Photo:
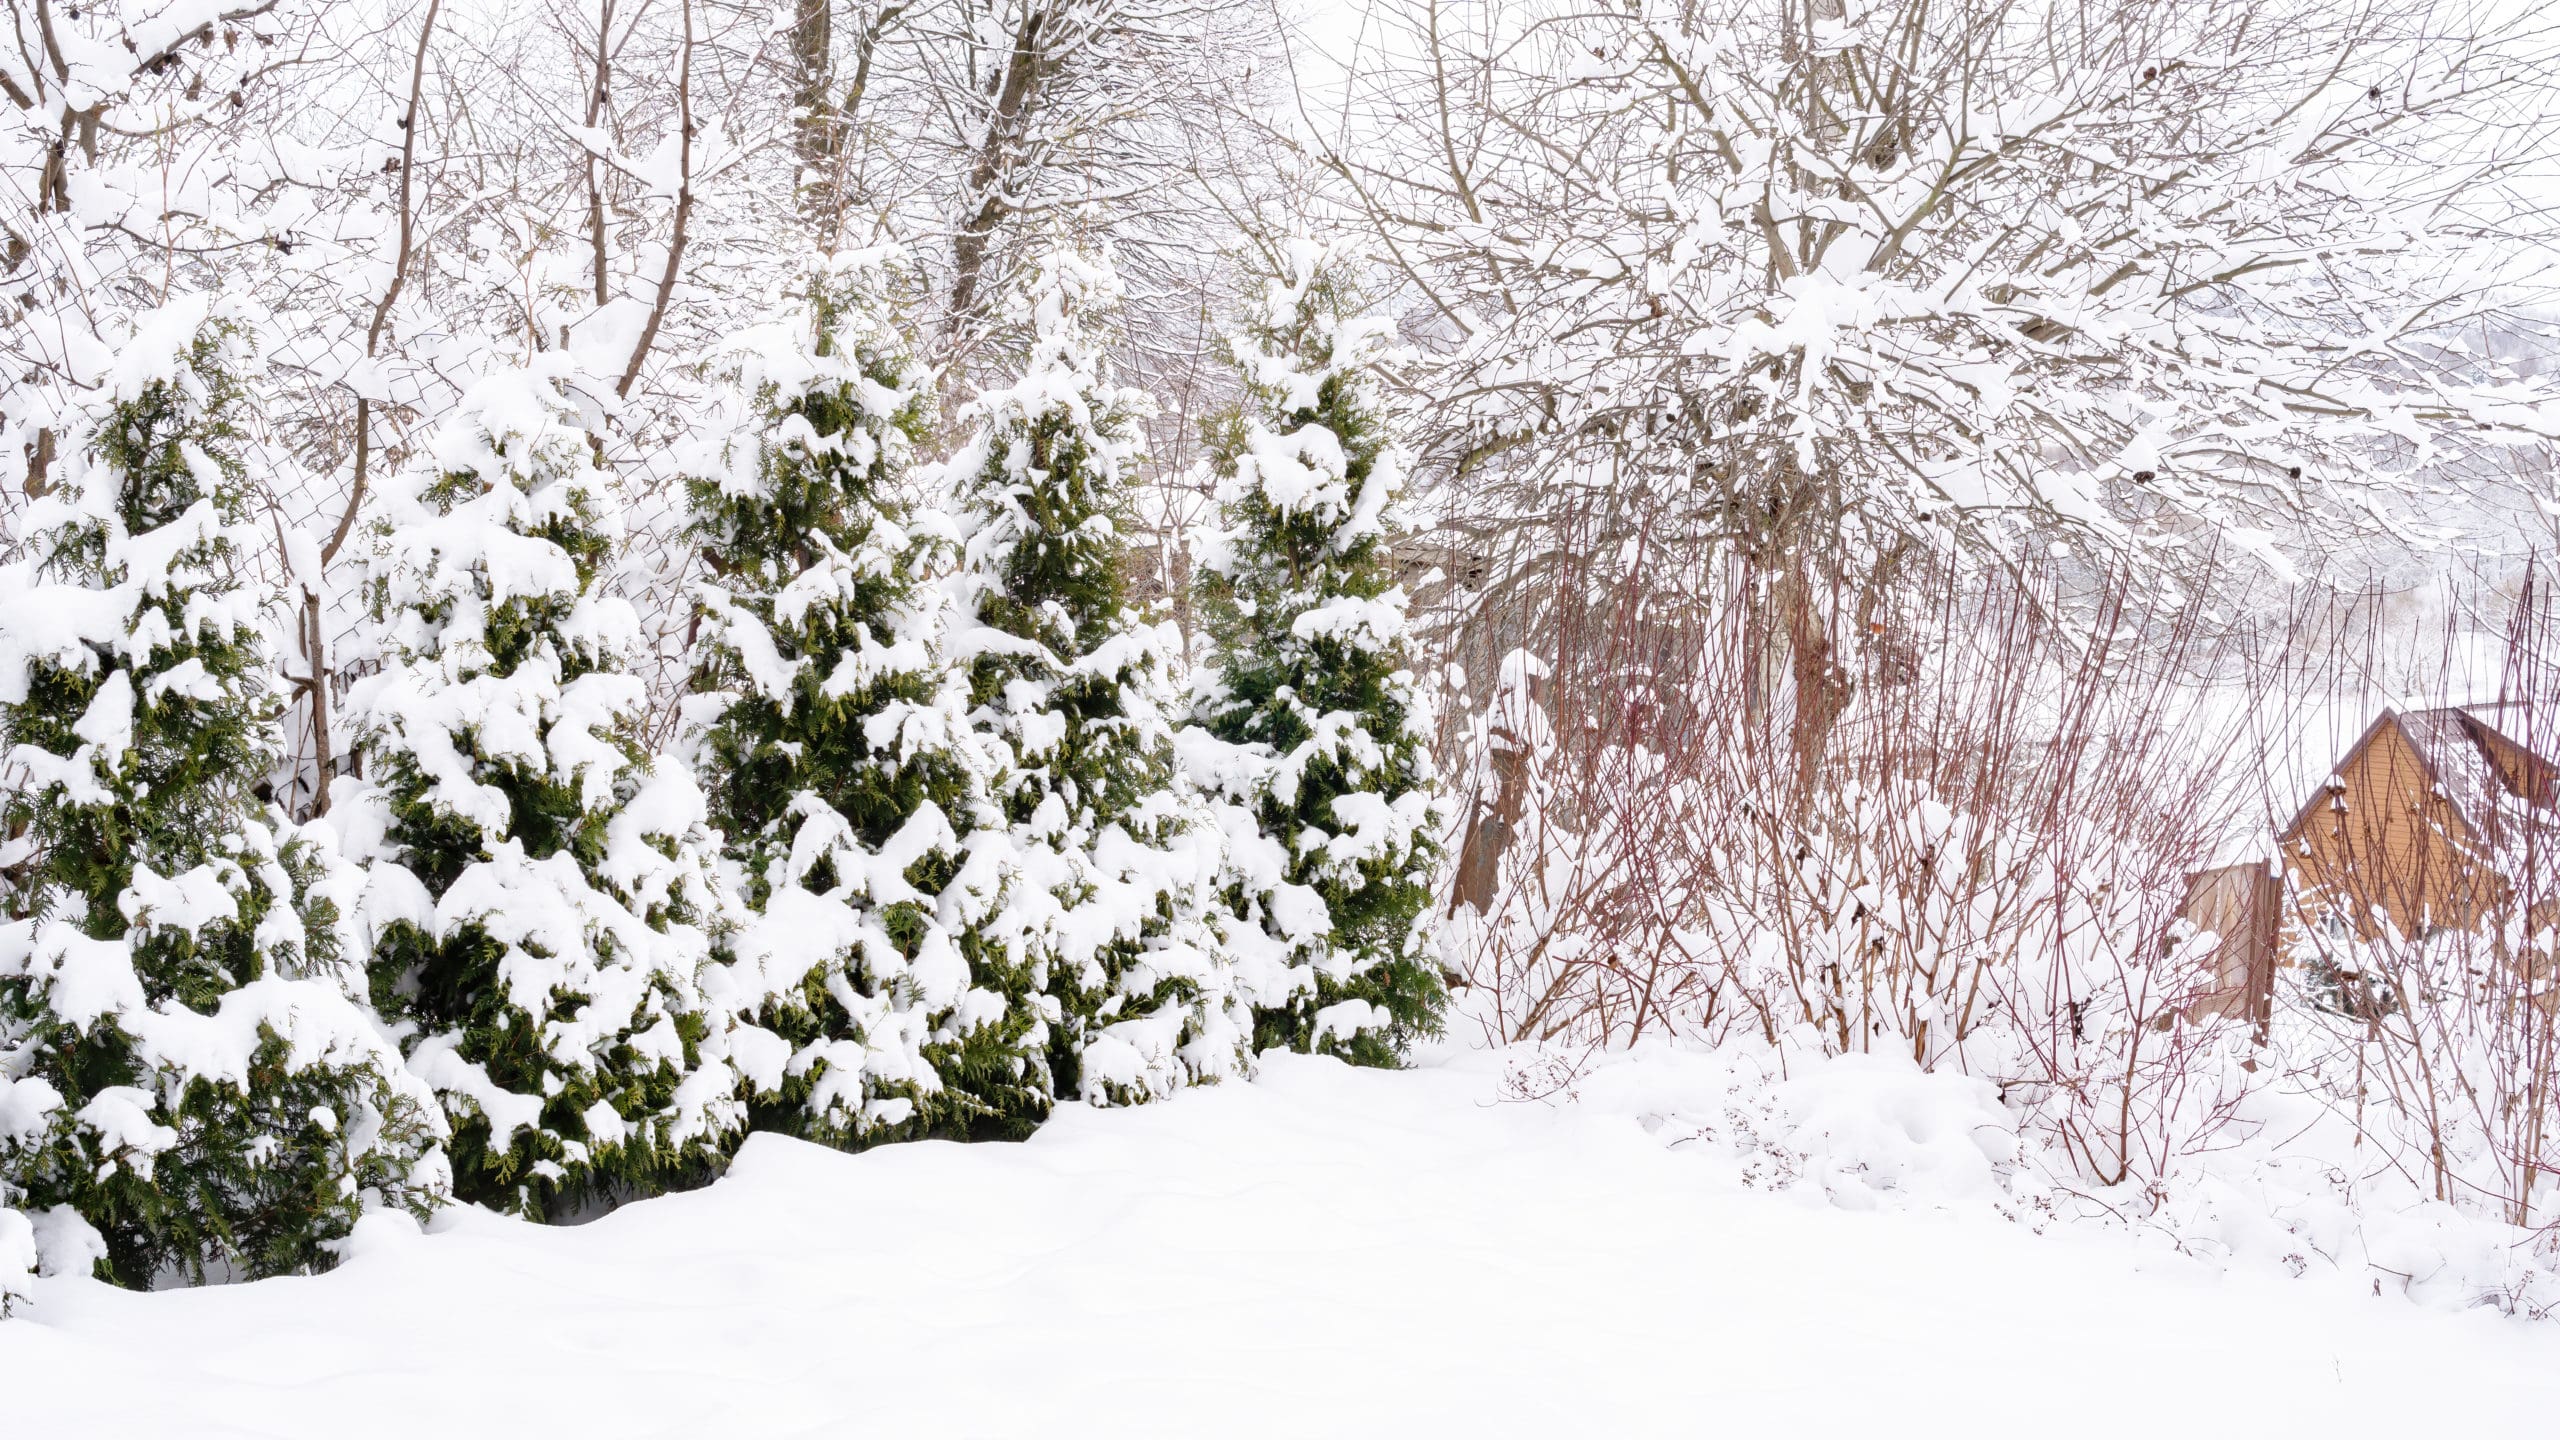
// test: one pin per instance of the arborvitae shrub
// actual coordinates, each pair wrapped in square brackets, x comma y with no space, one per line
[543,907]
[838,755]
[1078,688]
[1315,673]
[187,1084]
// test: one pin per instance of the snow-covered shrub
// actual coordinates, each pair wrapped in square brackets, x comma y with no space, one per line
[1980,877]
[2438,1107]
[839,757]
[1119,859]
[541,904]
[1315,673]
[2286,1187]
[187,1083]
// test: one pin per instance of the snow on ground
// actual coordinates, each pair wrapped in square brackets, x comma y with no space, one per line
[1321,1252]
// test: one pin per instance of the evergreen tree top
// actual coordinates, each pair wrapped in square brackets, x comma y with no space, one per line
[1313,443]
[159,437]
[131,599]
[839,371]
[1309,322]
[483,585]
[1066,306]
[1044,476]
[513,451]
[848,332]
[805,466]
[508,506]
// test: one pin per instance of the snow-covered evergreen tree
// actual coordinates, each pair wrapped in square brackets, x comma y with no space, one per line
[187,1082]
[1315,675]
[1119,861]
[543,905]
[840,760]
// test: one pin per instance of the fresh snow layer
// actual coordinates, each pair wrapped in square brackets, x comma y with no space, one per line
[1320,1252]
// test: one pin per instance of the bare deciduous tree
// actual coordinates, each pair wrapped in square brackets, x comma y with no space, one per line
[1837,289]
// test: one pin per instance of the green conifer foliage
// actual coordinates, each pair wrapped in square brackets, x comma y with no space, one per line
[1315,673]
[545,910]
[1078,687]
[840,762]
[187,1084]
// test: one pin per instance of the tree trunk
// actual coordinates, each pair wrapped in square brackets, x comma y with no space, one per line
[988,200]
[816,136]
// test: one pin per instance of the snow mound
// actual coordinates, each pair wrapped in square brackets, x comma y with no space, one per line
[1323,1251]
[1875,1132]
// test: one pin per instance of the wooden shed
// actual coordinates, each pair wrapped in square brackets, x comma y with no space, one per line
[2422,822]
[2240,907]
[2428,822]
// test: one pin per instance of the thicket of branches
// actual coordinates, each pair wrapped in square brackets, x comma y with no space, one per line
[1830,295]
[1907,477]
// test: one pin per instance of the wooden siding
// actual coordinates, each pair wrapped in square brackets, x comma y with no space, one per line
[2383,834]
[2242,905]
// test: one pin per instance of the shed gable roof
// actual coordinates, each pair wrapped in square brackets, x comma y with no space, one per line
[2452,745]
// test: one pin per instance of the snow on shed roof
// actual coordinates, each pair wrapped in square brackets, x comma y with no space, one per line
[2457,760]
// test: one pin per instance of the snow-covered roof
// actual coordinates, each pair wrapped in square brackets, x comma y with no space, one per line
[2532,726]
[2458,760]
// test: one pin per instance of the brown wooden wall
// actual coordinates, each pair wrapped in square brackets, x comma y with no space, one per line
[2242,905]
[2382,837]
